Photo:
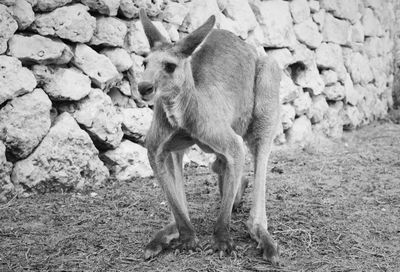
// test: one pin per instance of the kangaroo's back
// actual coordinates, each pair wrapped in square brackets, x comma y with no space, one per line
[226,59]
[224,68]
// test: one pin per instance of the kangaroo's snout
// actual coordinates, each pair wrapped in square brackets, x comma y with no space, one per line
[145,89]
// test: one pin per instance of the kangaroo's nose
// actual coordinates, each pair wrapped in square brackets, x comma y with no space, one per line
[145,88]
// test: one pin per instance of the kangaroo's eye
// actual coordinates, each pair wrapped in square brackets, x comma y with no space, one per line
[169,67]
[144,64]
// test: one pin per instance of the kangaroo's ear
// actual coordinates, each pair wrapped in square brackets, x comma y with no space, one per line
[187,45]
[153,35]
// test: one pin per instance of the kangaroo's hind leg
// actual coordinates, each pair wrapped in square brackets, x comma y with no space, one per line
[259,138]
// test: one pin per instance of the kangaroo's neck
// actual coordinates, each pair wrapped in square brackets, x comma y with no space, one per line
[181,103]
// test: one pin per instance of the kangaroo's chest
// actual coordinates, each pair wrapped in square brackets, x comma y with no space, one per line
[173,111]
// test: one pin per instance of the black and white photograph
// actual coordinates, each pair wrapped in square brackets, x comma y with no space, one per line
[199,135]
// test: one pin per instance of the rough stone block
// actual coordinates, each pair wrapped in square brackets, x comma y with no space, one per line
[15,80]
[65,159]
[72,23]
[38,49]
[97,66]
[24,121]
[109,32]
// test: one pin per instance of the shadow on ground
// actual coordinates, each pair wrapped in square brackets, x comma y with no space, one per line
[332,207]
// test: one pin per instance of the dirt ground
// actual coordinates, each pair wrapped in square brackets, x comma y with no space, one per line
[332,206]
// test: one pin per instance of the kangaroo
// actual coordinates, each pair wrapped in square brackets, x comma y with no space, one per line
[210,89]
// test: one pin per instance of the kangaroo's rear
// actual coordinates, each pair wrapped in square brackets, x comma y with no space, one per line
[218,96]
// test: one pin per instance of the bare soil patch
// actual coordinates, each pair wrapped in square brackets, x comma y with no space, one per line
[332,206]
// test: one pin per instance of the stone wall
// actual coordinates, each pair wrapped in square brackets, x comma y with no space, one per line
[70,114]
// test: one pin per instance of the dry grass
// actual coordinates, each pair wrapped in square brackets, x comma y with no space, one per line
[332,207]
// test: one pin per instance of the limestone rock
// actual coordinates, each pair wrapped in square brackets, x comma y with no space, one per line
[175,13]
[120,100]
[97,66]
[227,23]
[136,39]
[130,8]
[288,91]
[282,56]
[7,3]
[49,5]
[172,32]
[357,32]
[307,33]
[136,123]
[242,15]
[381,69]
[65,159]
[374,47]
[24,121]
[119,57]
[23,14]
[288,113]
[300,132]
[372,26]
[302,54]
[97,115]
[319,108]
[196,156]
[107,7]
[109,32]
[300,10]
[124,87]
[319,18]
[277,24]
[353,96]
[72,23]
[199,12]
[332,124]
[38,49]
[314,6]
[352,117]
[310,79]
[280,137]
[128,161]
[330,77]
[342,9]
[8,26]
[335,30]
[256,38]
[359,68]
[62,84]
[5,172]
[329,56]
[334,92]
[374,4]
[15,80]
[302,104]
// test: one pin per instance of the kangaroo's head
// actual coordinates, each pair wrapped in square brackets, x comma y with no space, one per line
[166,64]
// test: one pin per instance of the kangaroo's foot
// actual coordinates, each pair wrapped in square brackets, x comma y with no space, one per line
[169,237]
[258,231]
[161,241]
